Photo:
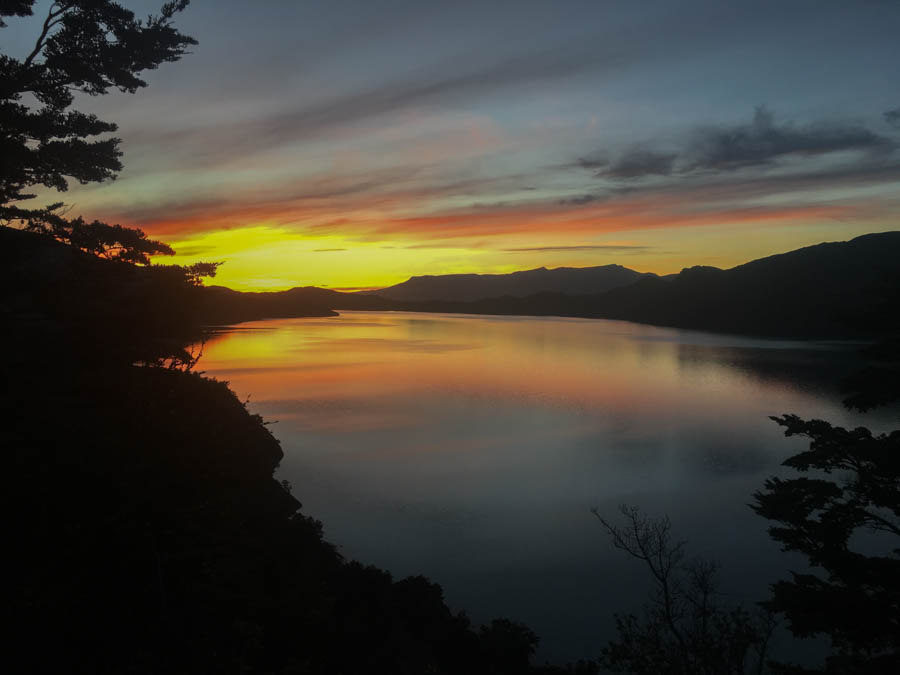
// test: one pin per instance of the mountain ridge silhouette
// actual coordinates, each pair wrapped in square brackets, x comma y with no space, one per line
[468,287]
[847,289]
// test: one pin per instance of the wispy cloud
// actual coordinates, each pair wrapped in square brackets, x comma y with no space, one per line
[428,88]
[643,211]
[443,207]
[760,142]
[580,199]
[450,85]
[639,162]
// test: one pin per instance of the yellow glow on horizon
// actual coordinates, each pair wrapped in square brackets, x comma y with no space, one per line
[265,258]
[271,258]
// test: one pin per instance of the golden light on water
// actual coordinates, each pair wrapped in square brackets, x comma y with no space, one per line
[355,360]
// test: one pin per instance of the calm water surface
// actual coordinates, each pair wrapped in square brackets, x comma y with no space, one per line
[472,449]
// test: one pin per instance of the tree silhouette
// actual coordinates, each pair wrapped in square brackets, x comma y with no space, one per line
[194,273]
[686,628]
[88,47]
[845,518]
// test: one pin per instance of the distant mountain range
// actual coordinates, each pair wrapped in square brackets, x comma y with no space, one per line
[469,287]
[842,289]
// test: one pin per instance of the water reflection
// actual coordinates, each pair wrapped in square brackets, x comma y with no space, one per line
[471,449]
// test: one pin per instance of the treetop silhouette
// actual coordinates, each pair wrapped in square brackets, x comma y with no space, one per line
[686,627]
[843,515]
[87,47]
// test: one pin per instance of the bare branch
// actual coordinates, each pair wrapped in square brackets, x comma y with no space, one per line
[53,19]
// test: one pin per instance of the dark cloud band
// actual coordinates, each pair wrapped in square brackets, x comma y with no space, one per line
[762,141]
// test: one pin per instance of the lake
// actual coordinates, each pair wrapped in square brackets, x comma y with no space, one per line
[471,449]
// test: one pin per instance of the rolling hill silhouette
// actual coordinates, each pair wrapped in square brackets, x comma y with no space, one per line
[838,289]
[219,304]
[468,287]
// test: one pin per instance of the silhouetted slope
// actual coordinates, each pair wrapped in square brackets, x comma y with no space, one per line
[53,289]
[44,280]
[469,287]
[828,290]
[219,305]
[149,534]
[151,537]
[832,289]
[841,289]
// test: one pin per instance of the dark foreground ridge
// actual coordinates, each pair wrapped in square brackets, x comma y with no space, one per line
[149,535]
[833,290]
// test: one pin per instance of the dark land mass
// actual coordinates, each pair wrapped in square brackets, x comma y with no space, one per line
[833,290]
[844,289]
[220,305]
[469,287]
[148,533]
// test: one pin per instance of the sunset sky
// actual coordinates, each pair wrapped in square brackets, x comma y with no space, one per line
[355,144]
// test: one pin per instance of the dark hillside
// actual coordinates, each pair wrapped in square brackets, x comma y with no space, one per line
[51,289]
[49,281]
[835,289]
[843,289]
[220,305]
[149,534]
[470,287]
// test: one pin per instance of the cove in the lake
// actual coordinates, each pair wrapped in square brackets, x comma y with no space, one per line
[472,449]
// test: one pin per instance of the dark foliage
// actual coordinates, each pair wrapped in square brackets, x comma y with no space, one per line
[195,273]
[845,518]
[152,310]
[150,535]
[89,47]
[126,244]
[14,8]
[76,303]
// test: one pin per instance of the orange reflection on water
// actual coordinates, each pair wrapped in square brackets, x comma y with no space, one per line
[371,369]
[472,449]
